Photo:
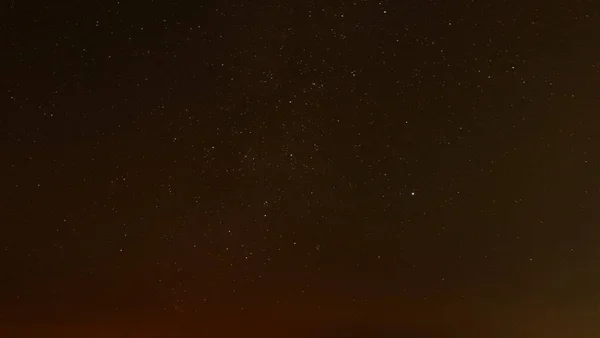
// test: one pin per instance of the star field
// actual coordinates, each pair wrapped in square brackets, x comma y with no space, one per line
[337,169]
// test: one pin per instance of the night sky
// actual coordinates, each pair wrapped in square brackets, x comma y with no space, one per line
[417,169]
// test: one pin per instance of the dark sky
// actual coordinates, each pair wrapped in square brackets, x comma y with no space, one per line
[423,169]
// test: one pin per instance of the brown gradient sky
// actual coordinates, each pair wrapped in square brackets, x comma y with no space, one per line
[422,169]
